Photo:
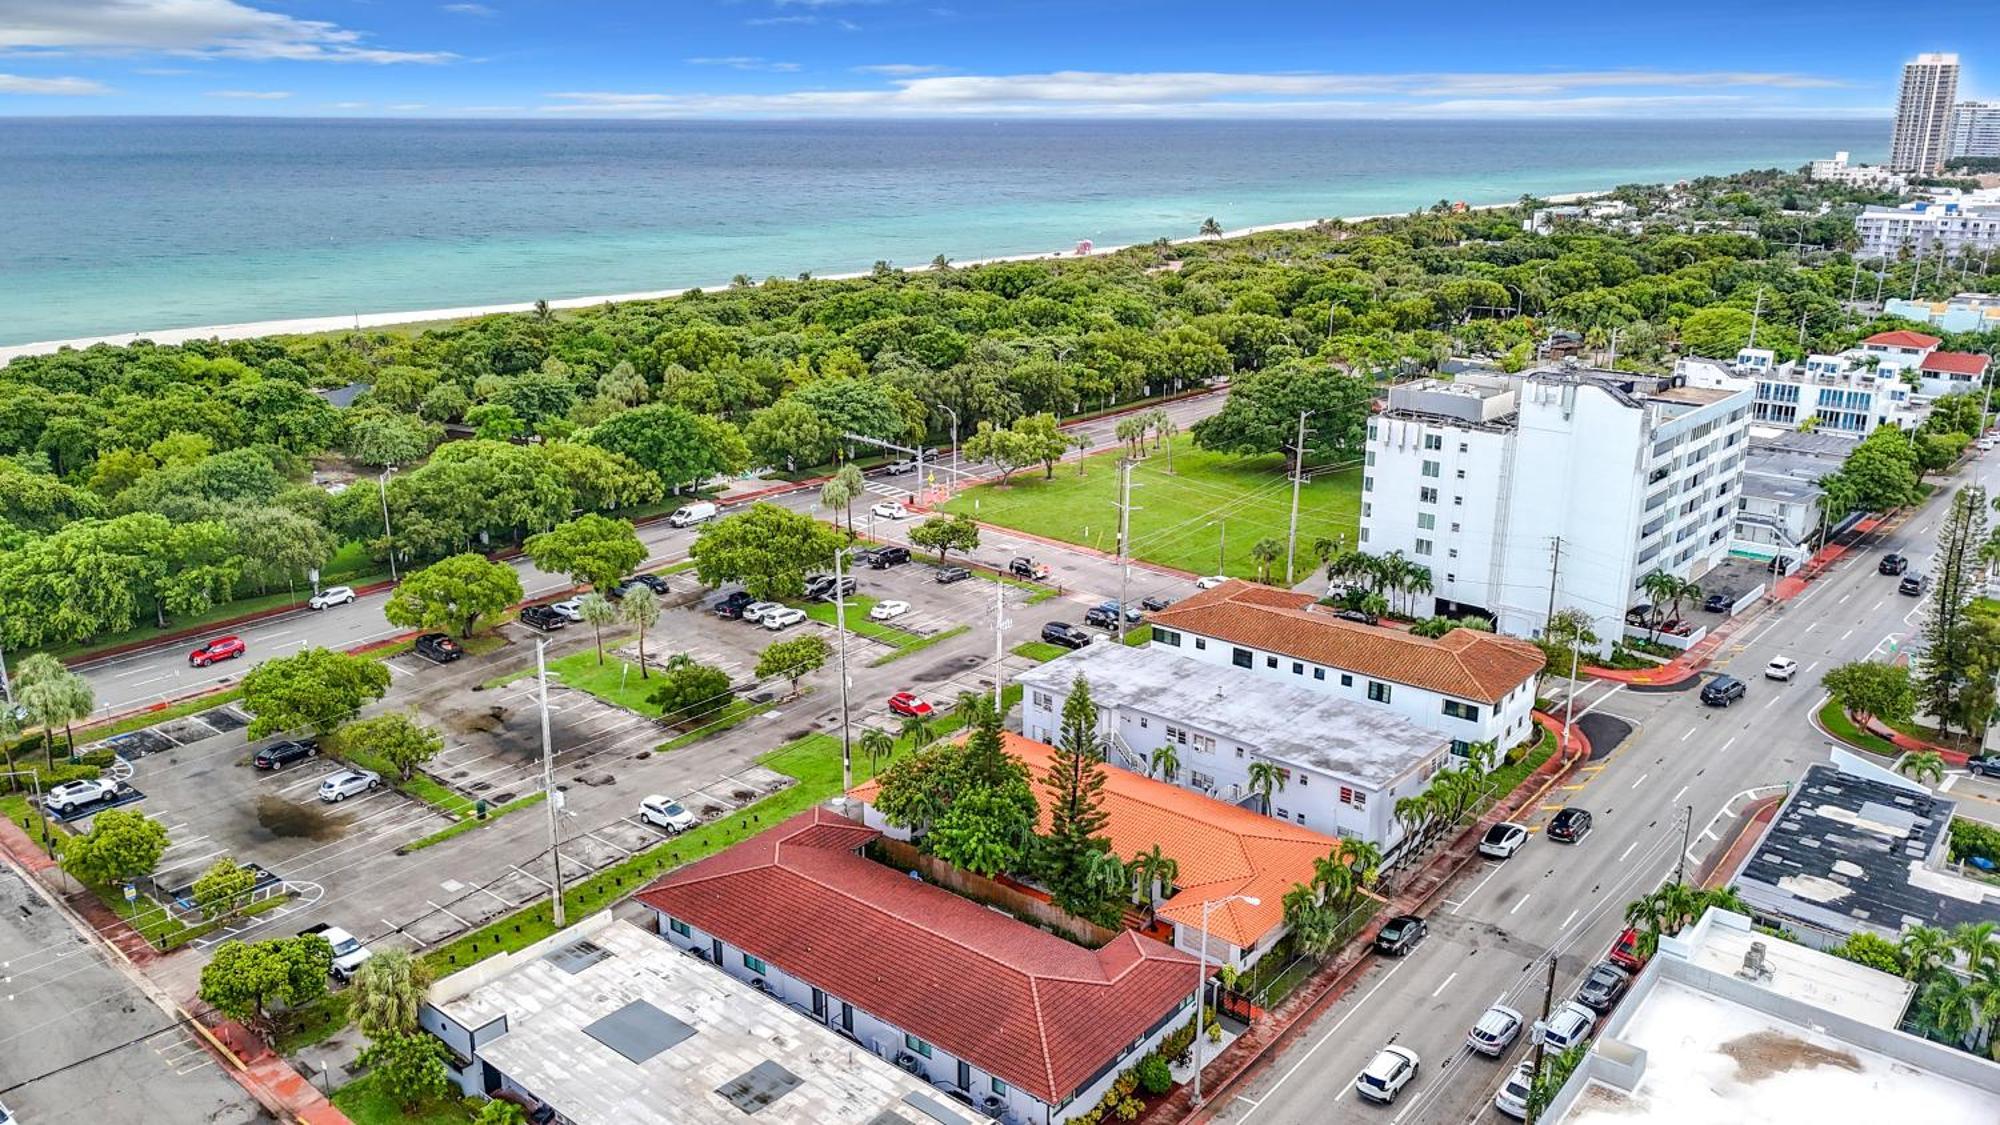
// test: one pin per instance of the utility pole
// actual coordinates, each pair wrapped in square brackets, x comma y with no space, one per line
[1548,1001]
[1756,315]
[1687,841]
[1569,701]
[554,801]
[1221,545]
[1555,564]
[1298,477]
[1124,538]
[1802,331]
[7,686]
[840,639]
[999,632]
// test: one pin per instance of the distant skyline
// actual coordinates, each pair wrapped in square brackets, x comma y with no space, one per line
[555,59]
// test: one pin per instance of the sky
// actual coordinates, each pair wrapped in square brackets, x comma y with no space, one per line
[553,59]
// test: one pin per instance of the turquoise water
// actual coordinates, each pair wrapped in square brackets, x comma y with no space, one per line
[119,225]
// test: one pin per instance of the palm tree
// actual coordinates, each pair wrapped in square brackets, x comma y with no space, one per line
[1266,551]
[387,995]
[1266,778]
[1925,767]
[1977,941]
[1417,581]
[840,490]
[641,607]
[1927,951]
[1483,756]
[1153,873]
[542,312]
[1660,588]
[1414,812]
[1166,761]
[1210,228]
[877,744]
[917,729]
[597,611]
[1168,428]
[1683,591]
[1332,877]
[1364,859]
[53,696]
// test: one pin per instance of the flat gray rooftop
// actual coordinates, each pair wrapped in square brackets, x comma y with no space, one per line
[1290,723]
[629,1029]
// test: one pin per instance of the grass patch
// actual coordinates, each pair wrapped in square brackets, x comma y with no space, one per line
[735,712]
[365,1104]
[901,640]
[920,644]
[1137,635]
[314,1024]
[617,682]
[1834,718]
[1509,777]
[1041,652]
[472,822]
[161,926]
[681,567]
[421,785]
[147,718]
[1210,501]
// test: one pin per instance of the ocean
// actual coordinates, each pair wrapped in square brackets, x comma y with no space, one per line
[114,225]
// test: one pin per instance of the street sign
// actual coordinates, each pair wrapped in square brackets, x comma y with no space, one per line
[131,894]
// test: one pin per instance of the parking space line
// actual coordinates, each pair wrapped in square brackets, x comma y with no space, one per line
[447,913]
[531,875]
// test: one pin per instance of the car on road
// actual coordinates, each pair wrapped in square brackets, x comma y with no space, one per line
[73,795]
[331,596]
[910,704]
[570,608]
[1985,765]
[1912,585]
[343,784]
[278,755]
[820,587]
[1625,951]
[1723,691]
[688,515]
[899,466]
[1571,1024]
[1156,603]
[1400,934]
[882,558]
[755,611]
[652,582]
[731,606]
[438,648]
[888,610]
[1718,603]
[667,813]
[947,575]
[1495,1031]
[1025,567]
[1210,582]
[1604,986]
[889,510]
[1892,563]
[1781,668]
[221,648]
[784,617]
[1384,1077]
[1570,825]
[348,952]
[1065,634]
[1503,839]
[1512,1099]
[543,617]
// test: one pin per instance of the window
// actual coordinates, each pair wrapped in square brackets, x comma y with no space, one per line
[1302,781]
[1467,711]
[1142,722]
[1433,469]
[1378,692]
[1239,751]
[1167,637]
[1353,798]
[1433,441]
[1451,552]
[1319,673]
[1427,495]
[999,1087]
[1427,521]
[1454,527]
[679,927]
[1367,509]
[1241,658]
[1200,780]
[1464,447]
[755,965]
[1201,644]
[1423,546]
[1282,814]
[1367,484]
[1364,535]
[1461,474]
[1370,459]
[1270,661]
[916,1044]
[1298,668]
[1458,501]
[1302,818]
[1346,680]
[1045,701]
[1204,743]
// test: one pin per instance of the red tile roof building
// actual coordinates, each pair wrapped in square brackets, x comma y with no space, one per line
[1902,338]
[1955,363]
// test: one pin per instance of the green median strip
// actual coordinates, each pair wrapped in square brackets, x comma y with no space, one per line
[472,822]
[1834,718]
[734,712]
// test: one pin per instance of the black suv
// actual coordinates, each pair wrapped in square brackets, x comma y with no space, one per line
[1065,634]
[1602,988]
[438,648]
[278,755]
[1723,691]
[1892,564]
[652,582]
[1399,935]
[1569,826]
[1717,603]
[882,558]
[542,617]
[732,607]
[1156,603]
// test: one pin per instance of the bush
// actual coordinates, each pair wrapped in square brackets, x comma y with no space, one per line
[1970,838]
[1154,1076]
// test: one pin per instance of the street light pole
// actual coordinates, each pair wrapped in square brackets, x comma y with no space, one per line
[1298,476]
[840,635]
[953,486]
[382,485]
[1201,983]
[549,786]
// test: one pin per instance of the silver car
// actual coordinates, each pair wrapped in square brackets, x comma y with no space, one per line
[1495,1031]
[346,783]
[755,611]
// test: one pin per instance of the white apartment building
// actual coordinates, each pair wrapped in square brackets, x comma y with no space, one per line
[1562,492]
[1840,171]
[1850,393]
[1923,114]
[1952,226]
[1975,129]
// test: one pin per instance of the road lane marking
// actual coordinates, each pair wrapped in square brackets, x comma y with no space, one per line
[1847,595]
[1447,984]
[1877,605]
[1627,851]
[1330,1033]
[1678,796]
[1688,735]
[1564,926]
[1731,742]
[1847,634]
[1641,781]
[1493,869]
[1522,902]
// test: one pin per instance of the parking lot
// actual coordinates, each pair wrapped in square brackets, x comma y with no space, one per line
[1978,797]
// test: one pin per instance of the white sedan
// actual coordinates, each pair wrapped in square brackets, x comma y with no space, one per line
[1781,668]
[890,510]
[888,611]
[331,596]
[1211,582]
[783,617]
[1503,840]
[571,610]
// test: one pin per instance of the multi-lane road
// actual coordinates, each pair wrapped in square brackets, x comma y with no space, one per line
[1495,927]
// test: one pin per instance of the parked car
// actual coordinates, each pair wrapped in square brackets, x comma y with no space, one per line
[1400,934]
[1104,615]
[278,755]
[1985,765]
[667,813]
[1065,634]
[731,607]
[348,952]
[1495,1031]
[889,510]
[1604,986]
[1892,563]
[331,596]
[1723,691]
[687,515]
[1912,585]
[1571,1024]
[882,558]
[1210,582]
[1503,839]
[438,648]
[652,582]
[73,795]
[1570,825]
[888,610]
[221,648]
[755,611]
[1028,568]
[947,575]
[820,587]
[570,608]
[784,617]
[1512,1099]
[1393,1068]
[910,704]
[1781,668]
[343,784]
[1358,616]
[1156,603]
[1718,603]
[543,617]
[1625,951]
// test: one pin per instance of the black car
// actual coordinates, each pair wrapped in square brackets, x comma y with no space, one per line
[1155,603]
[819,588]
[1717,603]
[1400,934]
[1723,691]
[1065,634]
[652,582]
[278,755]
[1985,765]
[1892,564]
[731,607]
[1359,617]
[1603,987]
[1569,826]
[1105,615]
[946,575]
[438,648]
[1912,585]
[882,558]
[542,617]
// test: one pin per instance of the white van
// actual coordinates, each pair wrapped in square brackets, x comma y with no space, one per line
[691,514]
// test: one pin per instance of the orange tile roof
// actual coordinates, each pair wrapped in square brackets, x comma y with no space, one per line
[1903,338]
[1464,663]
[1956,363]
[1222,849]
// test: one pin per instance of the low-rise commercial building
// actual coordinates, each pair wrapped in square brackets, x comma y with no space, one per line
[1966,312]
[1840,170]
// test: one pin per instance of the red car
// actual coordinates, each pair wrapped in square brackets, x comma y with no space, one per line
[221,648]
[1625,952]
[907,703]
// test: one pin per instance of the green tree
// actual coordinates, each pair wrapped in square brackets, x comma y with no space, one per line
[840,489]
[316,687]
[1566,638]
[790,434]
[1868,689]
[878,744]
[246,980]
[1153,875]
[396,739]
[122,845]
[1554,1075]
[640,608]
[454,593]
[1264,552]
[1262,414]
[1925,767]
[597,611]
[497,1112]
[1210,228]
[592,550]
[681,447]
[690,691]
[793,660]
[767,548]
[1950,655]
[983,832]
[1880,473]
[383,437]
[495,422]
[1265,779]
[1866,948]
[1937,452]
[945,534]
[387,993]
[224,888]
[52,696]
[1074,785]
[408,1068]
[1718,332]
[1007,450]
[924,792]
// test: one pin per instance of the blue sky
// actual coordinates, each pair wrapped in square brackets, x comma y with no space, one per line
[977,58]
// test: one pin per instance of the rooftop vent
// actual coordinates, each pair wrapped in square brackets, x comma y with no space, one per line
[1754,966]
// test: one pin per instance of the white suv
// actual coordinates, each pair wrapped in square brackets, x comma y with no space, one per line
[346,783]
[667,813]
[73,795]
[1512,1099]
[1392,1069]
[331,596]
[1571,1024]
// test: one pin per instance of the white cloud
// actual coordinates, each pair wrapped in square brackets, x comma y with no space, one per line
[407,107]
[212,28]
[470,10]
[899,70]
[52,87]
[742,62]
[251,95]
[347,105]
[781,21]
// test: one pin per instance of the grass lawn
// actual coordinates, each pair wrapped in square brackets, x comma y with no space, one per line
[365,1105]
[1180,520]
[315,1023]
[472,822]
[732,713]
[1834,718]
[615,681]
[1039,651]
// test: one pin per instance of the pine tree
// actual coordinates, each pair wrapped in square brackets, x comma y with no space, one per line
[1949,640]
[1075,788]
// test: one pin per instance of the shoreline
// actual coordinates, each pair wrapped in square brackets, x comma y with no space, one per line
[301,326]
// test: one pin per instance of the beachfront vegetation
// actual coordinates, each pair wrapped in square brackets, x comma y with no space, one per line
[153,485]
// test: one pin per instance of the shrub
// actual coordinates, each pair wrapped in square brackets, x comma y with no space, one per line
[1154,1076]
[1970,838]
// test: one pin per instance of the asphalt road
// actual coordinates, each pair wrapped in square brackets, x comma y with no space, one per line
[161,672]
[1496,925]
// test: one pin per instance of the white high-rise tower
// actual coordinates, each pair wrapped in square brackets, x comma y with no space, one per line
[1923,114]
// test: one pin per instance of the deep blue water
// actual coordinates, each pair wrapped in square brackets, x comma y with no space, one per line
[114,225]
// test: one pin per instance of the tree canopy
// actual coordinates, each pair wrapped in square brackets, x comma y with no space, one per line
[316,689]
